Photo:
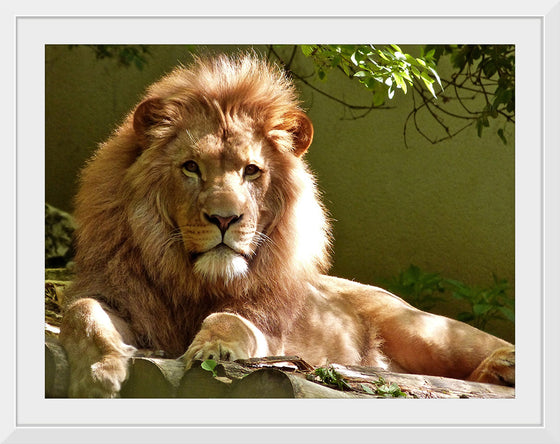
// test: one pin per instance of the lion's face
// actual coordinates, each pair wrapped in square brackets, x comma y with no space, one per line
[216,188]
[220,181]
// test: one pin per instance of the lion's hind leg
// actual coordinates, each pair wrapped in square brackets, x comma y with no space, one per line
[97,353]
[498,368]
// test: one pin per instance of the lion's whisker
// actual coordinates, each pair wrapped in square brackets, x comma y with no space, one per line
[175,237]
[262,238]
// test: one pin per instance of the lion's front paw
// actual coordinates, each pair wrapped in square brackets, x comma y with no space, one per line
[226,337]
[103,379]
[217,349]
[498,368]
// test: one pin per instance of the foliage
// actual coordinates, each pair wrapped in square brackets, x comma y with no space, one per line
[329,376]
[125,55]
[482,83]
[489,72]
[210,366]
[381,70]
[424,290]
[421,289]
[481,86]
[384,389]
[485,304]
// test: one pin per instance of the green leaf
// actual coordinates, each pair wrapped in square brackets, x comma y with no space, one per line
[406,76]
[307,50]
[210,366]
[415,71]
[336,61]
[431,89]
[489,68]
[346,69]
[330,376]
[426,78]
[411,60]
[391,90]
[508,313]
[502,136]
[428,81]
[371,83]
[353,59]
[435,74]
[399,81]
[378,99]
[384,56]
[479,126]
[390,390]
[481,309]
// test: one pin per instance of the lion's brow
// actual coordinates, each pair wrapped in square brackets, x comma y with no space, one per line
[191,137]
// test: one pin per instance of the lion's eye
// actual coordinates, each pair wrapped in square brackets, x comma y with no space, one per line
[252,171]
[190,168]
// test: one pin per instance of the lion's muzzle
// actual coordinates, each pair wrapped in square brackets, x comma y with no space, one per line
[222,222]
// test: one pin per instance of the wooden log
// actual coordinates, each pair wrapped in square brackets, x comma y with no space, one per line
[57,370]
[152,378]
[274,383]
[236,381]
[200,383]
[165,378]
[425,386]
[264,383]
[287,362]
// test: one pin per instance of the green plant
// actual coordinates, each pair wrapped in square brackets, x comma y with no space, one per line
[329,376]
[485,304]
[480,87]
[483,84]
[381,69]
[210,366]
[421,289]
[425,290]
[384,389]
[125,55]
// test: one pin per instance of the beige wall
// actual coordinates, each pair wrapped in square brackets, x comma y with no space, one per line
[447,207]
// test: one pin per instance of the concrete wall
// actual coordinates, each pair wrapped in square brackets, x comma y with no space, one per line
[447,207]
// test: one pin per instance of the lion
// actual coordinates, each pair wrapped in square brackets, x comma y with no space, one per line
[201,233]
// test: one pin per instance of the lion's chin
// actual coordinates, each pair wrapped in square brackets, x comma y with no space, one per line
[221,264]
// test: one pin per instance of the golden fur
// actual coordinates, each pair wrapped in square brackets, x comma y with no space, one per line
[200,230]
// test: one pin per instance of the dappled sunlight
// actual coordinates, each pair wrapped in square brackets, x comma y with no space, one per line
[331,332]
[433,344]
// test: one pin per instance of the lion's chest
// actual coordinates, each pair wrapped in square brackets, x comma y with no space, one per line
[161,325]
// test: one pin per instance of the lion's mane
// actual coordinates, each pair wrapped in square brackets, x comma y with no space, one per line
[129,253]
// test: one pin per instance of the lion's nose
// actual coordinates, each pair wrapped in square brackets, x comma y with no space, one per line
[222,222]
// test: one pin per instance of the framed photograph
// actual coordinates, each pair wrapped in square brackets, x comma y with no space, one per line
[533,30]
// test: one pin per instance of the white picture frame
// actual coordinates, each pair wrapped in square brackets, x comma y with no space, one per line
[531,417]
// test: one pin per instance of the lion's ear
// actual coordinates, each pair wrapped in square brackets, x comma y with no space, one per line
[146,115]
[302,131]
[299,126]
[155,113]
